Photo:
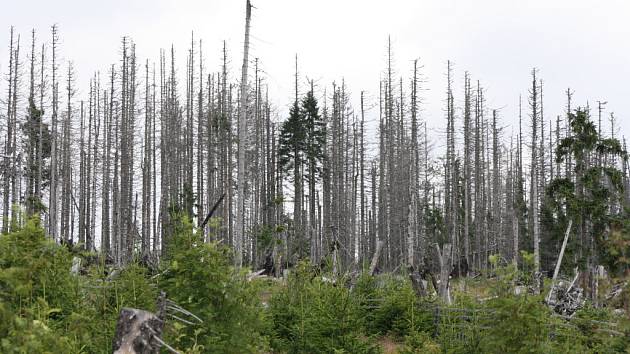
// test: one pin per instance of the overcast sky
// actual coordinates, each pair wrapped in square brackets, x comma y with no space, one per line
[584,45]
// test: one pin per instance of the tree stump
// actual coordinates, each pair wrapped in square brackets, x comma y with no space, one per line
[419,285]
[137,332]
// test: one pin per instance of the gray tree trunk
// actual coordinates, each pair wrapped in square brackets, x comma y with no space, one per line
[242,143]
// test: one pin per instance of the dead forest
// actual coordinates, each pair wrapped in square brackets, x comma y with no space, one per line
[114,170]
[108,171]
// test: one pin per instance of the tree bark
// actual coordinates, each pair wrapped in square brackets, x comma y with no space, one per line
[242,143]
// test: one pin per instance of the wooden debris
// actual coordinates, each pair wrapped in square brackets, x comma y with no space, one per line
[616,290]
[136,331]
[76,265]
[255,275]
[139,331]
[557,269]
[567,298]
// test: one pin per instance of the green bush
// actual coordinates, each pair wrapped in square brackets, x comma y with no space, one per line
[390,306]
[200,278]
[25,334]
[33,267]
[518,324]
[420,343]
[310,315]
[43,307]
[589,328]
[46,309]
[94,324]
[37,293]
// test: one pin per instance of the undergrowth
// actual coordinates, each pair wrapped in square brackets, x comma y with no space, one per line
[44,308]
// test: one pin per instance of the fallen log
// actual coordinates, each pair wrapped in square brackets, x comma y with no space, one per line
[255,275]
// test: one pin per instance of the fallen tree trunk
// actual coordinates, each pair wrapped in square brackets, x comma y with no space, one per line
[254,275]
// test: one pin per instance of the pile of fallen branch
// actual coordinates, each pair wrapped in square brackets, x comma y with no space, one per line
[566,297]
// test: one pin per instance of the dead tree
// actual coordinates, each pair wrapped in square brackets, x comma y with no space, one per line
[467,167]
[242,143]
[446,264]
[66,166]
[534,173]
[9,161]
[31,130]
[54,160]
[108,104]
[146,168]
[375,257]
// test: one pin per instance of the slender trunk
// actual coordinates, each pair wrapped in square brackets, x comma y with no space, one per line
[242,143]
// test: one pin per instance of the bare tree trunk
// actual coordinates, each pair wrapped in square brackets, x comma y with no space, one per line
[33,136]
[40,147]
[146,169]
[496,207]
[514,207]
[446,264]
[8,160]
[54,168]
[242,143]
[467,173]
[413,228]
[95,145]
[362,220]
[105,197]
[66,187]
[534,227]
[376,256]
[451,183]
[16,160]
[82,177]
[200,145]
[479,209]
[312,177]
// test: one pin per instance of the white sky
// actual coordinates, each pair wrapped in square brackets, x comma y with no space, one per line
[574,43]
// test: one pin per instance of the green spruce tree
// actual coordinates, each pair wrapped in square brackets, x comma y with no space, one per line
[301,151]
[593,200]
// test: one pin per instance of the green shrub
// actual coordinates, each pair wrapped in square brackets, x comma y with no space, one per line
[24,334]
[37,293]
[199,277]
[55,309]
[518,324]
[589,327]
[32,267]
[94,323]
[391,306]
[420,343]
[313,316]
